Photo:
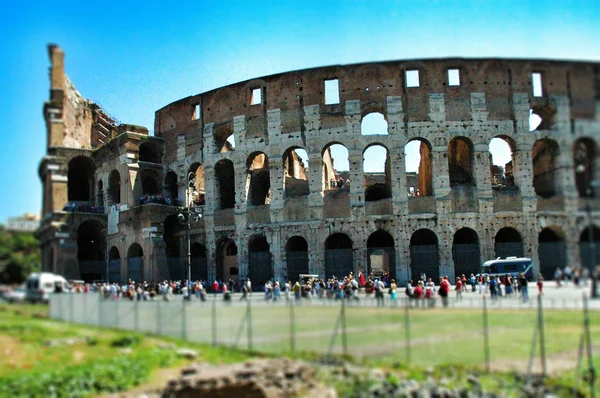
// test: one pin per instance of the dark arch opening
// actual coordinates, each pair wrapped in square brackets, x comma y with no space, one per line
[296,250]
[80,176]
[100,194]
[338,241]
[295,164]
[149,182]
[465,252]
[552,251]
[424,257]
[135,263]
[114,187]
[584,156]
[259,266]
[114,265]
[508,243]
[259,180]
[545,152]
[171,185]
[381,255]
[339,260]
[150,152]
[226,259]
[199,262]
[225,183]
[91,249]
[460,162]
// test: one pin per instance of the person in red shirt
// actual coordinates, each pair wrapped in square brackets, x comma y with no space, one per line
[444,290]
[215,286]
[459,287]
[418,292]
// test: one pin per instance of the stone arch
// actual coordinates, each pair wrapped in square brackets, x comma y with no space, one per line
[296,250]
[460,162]
[258,180]
[552,250]
[114,187]
[377,172]
[584,161]
[381,254]
[424,255]
[91,249]
[225,180]
[226,259]
[170,187]
[417,155]
[502,149]
[545,154]
[466,253]
[339,260]
[374,123]
[295,172]
[198,183]
[334,175]
[508,243]
[588,245]
[80,179]
[114,265]
[199,262]
[150,152]
[224,139]
[135,263]
[546,115]
[260,268]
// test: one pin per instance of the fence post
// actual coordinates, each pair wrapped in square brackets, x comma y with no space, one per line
[249,324]
[588,336]
[486,337]
[136,316]
[541,335]
[214,322]
[71,306]
[407,330]
[183,321]
[158,325]
[343,321]
[292,327]
[85,311]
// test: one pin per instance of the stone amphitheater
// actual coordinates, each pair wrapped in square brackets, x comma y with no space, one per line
[249,171]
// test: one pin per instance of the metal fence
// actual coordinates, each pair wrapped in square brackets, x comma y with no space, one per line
[531,338]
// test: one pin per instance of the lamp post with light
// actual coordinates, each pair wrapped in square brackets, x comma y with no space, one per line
[186,214]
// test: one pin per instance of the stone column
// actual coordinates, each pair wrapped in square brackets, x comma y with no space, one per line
[402,242]
[523,174]
[357,184]
[441,179]
[275,247]
[481,174]
[316,252]
[315,178]
[277,188]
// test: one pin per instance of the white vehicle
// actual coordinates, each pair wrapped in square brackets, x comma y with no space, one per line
[514,266]
[39,286]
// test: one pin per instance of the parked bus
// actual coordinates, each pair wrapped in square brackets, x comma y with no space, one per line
[514,266]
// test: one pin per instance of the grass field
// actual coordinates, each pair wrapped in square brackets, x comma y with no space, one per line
[376,336]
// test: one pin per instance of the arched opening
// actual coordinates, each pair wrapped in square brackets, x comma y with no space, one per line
[135,263]
[114,187]
[176,263]
[149,186]
[424,257]
[584,155]
[295,172]
[150,152]
[91,249]
[508,243]
[260,269]
[374,124]
[501,162]
[80,176]
[100,194]
[465,252]
[198,184]
[589,260]
[199,262]
[377,173]
[552,251]
[541,118]
[381,255]
[544,154]
[225,178]
[339,260]
[114,265]
[460,162]
[171,190]
[296,250]
[226,256]
[417,155]
[336,168]
[224,139]
[258,180]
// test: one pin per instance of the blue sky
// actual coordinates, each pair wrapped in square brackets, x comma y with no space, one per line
[134,58]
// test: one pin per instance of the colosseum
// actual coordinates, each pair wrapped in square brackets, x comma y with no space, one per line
[251,170]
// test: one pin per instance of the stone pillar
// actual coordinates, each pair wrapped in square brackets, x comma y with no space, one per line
[357,184]
[402,242]
[277,188]
[242,186]
[275,247]
[316,252]
[441,179]
[242,241]
[315,178]
[482,177]
[398,170]
[523,174]
[445,252]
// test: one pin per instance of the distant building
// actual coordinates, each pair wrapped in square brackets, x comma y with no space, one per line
[28,222]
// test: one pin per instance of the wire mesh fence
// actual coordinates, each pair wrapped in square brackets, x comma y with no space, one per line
[531,338]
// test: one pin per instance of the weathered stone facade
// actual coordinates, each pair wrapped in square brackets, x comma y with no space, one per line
[260,219]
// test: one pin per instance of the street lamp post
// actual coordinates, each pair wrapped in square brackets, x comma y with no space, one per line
[185,217]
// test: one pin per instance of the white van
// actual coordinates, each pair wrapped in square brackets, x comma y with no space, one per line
[39,286]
